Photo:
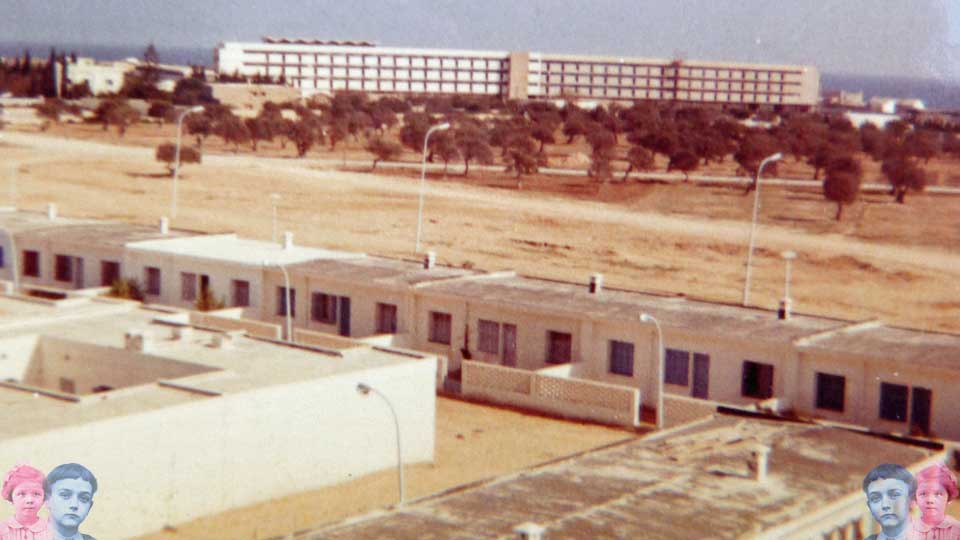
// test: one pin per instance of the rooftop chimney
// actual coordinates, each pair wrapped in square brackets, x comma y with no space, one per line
[596,283]
[529,531]
[429,260]
[181,332]
[288,240]
[225,340]
[51,211]
[137,340]
[164,225]
[784,312]
[761,453]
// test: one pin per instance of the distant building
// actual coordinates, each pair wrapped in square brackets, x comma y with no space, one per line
[102,77]
[316,66]
[842,98]
[858,119]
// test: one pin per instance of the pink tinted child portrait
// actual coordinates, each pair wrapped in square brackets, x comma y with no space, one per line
[23,486]
[936,486]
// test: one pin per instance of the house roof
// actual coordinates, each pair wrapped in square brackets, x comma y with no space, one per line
[377,270]
[902,345]
[16,221]
[697,482]
[230,248]
[675,312]
[102,234]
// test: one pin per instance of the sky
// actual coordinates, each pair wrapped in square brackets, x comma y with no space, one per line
[917,38]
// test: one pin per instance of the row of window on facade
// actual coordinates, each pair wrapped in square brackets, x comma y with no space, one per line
[630,82]
[667,71]
[630,93]
[388,86]
[377,60]
[275,70]
[66,268]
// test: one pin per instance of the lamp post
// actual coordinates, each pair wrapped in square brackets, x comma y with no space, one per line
[753,224]
[423,177]
[365,389]
[274,198]
[286,300]
[647,318]
[176,158]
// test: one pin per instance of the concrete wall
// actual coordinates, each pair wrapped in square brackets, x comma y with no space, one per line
[177,463]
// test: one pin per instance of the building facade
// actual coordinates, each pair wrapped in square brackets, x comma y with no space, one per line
[326,66]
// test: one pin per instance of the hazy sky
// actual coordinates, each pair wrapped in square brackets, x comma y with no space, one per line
[889,37]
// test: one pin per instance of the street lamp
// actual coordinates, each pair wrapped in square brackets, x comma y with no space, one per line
[274,198]
[753,225]
[647,318]
[423,177]
[176,158]
[286,300]
[365,389]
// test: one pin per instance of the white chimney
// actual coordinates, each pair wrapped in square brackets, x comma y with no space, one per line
[429,260]
[785,309]
[51,211]
[529,531]
[181,333]
[761,454]
[164,225]
[137,340]
[288,240]
[596,283]
[784,312]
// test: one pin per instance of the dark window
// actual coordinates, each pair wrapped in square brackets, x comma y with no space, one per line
[2,262]
[757,380]
[440,327]
[386,318]
[893,402]
[67,386]
[282,301]
[63,268]
[153,280]
[188,286]
[621,357]
[488,340]
[559,347]
[324,308]
[109,273]
[830,391]
[241,293]
[676,367]
[31,263]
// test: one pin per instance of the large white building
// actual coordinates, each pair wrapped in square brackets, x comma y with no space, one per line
[329,66]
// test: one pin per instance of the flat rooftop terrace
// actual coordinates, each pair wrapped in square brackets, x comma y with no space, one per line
[86,342]
[694,483]
[379,271]
[230,248]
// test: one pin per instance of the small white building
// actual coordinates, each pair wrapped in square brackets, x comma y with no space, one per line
[103,77]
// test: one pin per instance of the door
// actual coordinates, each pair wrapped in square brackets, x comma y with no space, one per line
[920,410]
[509,344]
[343,326]
[78,272]
[204,284]
[701,375]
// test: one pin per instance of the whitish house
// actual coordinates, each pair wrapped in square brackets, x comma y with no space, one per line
[179,271]
[359,296]
[178,422]
[713,351]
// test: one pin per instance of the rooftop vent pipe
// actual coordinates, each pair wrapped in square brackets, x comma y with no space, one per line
[137,340]
[596,283]
[429,260]
[761,454]
[288,240]
[51,211]
[164,225]
[786,304]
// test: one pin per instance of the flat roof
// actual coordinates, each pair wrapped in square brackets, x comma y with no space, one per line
[914,347]
[230,248]
[378,271]
[675,312]
[247,364]
[111,234]
[15,220]
[697,482]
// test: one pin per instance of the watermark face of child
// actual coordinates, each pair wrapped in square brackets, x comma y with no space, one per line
[27,500]
[932,500]
[70,501]
[889,502]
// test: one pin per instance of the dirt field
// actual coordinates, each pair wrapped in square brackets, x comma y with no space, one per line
[895,262]
[473,443]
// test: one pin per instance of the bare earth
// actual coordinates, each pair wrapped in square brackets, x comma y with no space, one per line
[895,262]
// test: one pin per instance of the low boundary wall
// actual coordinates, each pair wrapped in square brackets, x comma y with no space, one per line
[251,327]
[569,398]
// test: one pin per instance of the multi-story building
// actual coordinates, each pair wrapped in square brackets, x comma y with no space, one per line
[329,66]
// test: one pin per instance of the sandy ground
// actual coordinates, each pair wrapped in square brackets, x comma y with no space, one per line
[895,262]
